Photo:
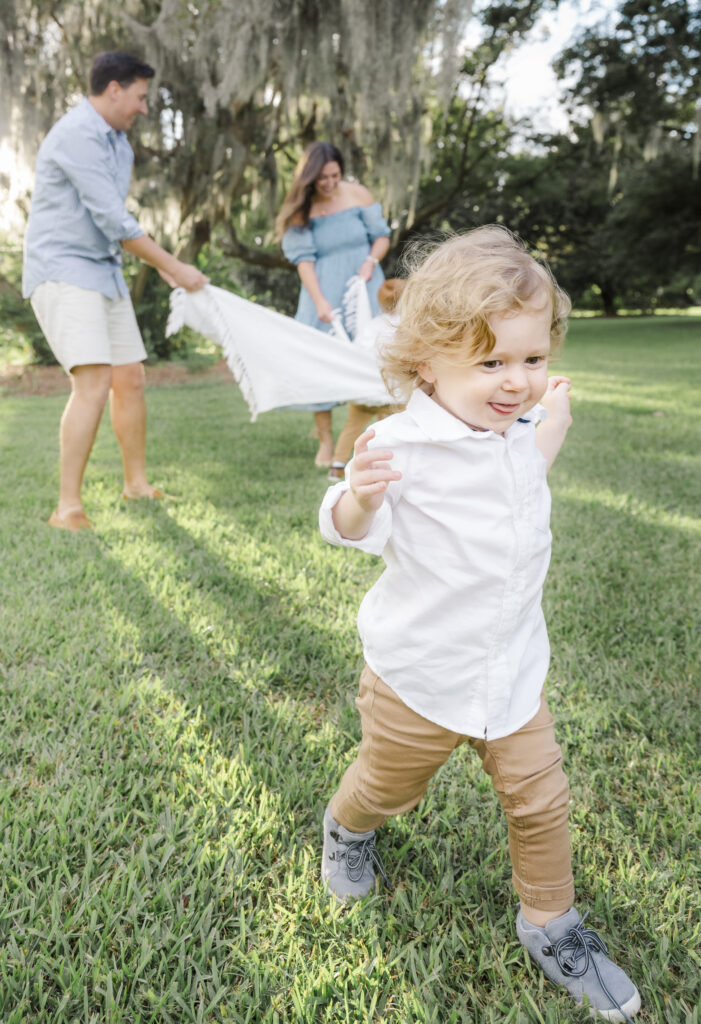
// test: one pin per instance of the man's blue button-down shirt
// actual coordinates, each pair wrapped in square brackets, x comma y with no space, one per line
[78,216]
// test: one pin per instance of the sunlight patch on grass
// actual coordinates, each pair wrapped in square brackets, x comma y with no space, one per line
[629,505]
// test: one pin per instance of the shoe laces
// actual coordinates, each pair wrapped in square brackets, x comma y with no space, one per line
[357,853]
[573,953]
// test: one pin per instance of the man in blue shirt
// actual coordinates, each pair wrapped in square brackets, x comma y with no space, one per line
[77,227]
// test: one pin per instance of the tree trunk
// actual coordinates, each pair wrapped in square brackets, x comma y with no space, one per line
[608,300]
[138,285]
[201,235]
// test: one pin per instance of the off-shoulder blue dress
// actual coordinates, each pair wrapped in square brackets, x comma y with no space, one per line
[337,244]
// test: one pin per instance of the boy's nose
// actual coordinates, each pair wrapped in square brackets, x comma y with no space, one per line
[515,381]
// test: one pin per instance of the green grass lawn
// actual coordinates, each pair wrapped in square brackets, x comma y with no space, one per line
[177,707]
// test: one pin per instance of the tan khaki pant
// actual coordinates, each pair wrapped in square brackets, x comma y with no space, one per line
[400,752]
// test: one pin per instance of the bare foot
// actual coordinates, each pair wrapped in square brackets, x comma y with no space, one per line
[74,519]
[151,493]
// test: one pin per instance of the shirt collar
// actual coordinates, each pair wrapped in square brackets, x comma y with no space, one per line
[98,119]
[441,425]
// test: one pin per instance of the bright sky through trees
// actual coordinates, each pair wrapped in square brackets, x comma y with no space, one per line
[530,84]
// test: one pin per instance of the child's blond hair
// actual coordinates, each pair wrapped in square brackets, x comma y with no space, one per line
[451,294]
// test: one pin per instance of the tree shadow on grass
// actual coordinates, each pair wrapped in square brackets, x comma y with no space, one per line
[226,758]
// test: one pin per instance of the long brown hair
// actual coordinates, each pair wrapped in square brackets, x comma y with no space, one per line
[298,201]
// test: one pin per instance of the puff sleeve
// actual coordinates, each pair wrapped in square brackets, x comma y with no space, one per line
[375,224]
[298,245]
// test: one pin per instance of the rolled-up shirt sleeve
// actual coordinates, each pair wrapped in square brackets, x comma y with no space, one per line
[85,164]
[374,541]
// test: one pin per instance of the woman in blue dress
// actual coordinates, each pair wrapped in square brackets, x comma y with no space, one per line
[331,230]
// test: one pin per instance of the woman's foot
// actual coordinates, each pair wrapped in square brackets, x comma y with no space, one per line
[325,454]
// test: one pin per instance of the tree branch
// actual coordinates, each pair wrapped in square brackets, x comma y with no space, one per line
[443,201]
[258,257]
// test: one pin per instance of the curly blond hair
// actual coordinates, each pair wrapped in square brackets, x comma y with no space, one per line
[452,292]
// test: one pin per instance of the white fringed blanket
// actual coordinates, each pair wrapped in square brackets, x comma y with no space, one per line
[275,360]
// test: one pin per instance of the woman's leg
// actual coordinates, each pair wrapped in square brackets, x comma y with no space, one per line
[526,771]
[358,418]
[323,427]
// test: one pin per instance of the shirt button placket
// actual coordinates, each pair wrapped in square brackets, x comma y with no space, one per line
[499,691]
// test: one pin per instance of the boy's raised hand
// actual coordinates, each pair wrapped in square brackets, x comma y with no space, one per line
[370,473]
[557,398]
[552,432]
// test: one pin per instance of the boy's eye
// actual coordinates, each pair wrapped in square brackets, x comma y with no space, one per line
[491,364]
[534,360]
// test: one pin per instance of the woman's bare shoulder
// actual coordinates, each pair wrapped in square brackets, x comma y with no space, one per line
[360,195]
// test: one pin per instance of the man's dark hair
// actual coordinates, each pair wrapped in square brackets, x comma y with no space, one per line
[116,67]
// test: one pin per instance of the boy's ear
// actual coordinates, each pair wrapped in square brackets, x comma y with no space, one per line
[426,372]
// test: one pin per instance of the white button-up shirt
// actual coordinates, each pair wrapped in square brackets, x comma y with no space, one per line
[454,625]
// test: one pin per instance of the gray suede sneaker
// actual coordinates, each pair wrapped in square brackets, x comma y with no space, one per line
[575,957]
[349,860]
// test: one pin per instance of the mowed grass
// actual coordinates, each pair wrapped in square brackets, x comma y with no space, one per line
[177,707]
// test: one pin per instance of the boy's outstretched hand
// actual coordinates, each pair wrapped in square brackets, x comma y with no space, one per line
[369,476]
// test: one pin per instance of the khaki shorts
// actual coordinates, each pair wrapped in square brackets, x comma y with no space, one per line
[84,328]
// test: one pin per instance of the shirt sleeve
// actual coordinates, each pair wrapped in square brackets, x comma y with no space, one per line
[375,224]
[374,541]
[85,163]
[298,245]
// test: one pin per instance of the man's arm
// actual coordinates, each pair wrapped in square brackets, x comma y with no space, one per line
[174,271]
[551,434]
[82,160]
